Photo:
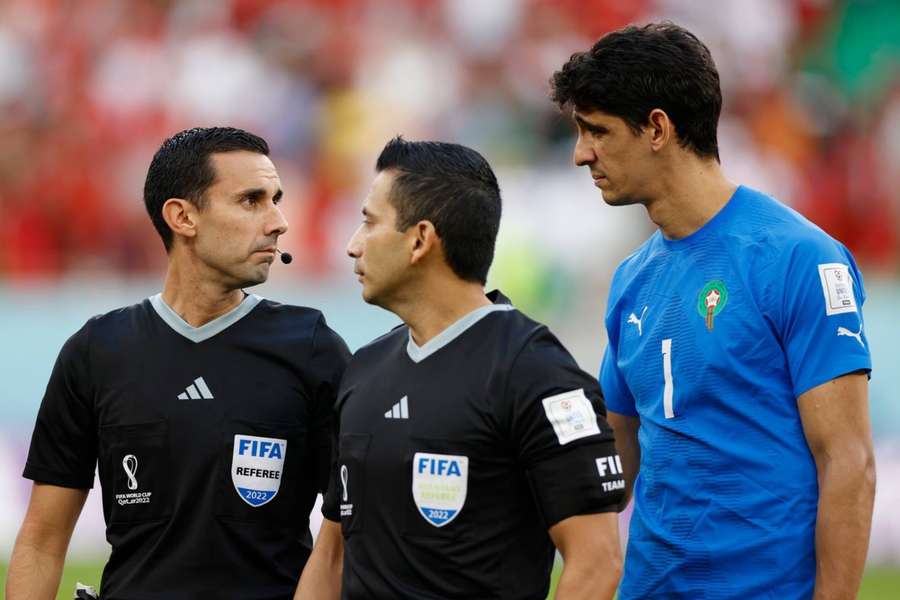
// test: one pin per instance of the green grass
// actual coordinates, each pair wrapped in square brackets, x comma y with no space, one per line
[879,583]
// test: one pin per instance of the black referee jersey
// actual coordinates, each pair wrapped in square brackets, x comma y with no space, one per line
[457,456]
[211,444]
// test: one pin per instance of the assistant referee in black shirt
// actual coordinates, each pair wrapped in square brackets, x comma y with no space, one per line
[470,442]
[206,410]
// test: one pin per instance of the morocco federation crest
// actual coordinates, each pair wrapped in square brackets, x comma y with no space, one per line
[711,301]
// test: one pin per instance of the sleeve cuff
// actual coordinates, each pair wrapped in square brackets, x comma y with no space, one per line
[41,475]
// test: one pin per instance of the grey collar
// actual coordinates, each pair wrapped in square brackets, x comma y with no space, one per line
[206,331]
[419,353]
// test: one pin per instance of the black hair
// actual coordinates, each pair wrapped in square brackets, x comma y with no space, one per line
[634,70]
[453,187]
[181,168]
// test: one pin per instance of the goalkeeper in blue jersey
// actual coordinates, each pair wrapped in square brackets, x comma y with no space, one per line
[736,370]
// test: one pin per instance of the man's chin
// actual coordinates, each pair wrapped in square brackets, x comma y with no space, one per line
[369,297]
[260,275]
[613,199]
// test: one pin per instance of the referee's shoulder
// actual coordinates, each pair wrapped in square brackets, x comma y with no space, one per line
[512,330]
[289,312]
[124,318]
[111,327]
[396,337]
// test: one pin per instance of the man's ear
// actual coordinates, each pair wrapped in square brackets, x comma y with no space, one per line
[180,215]
[424,239]
[660,128]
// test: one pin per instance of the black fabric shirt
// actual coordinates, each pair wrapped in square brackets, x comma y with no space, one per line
[456,457]
[211,444]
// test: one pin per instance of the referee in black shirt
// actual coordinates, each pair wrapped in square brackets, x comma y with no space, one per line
[206,410]
[470,442]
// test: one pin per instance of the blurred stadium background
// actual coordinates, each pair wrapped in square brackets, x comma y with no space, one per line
[89,89]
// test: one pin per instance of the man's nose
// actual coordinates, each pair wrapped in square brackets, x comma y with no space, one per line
[583,154]
[277,224]
[354,247]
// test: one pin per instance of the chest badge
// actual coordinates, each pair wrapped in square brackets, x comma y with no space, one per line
[439,484]
[257,464]
[712,300]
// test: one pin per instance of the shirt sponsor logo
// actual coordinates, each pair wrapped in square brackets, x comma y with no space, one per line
[571,415]
[196,391]
[130,465]
[841,331]
[256,467]
[399,410]
[837,286]
[439,485]
[633,320]
[712,300]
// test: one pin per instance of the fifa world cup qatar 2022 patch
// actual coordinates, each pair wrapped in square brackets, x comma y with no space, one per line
[837,286]
[571,416]
[712,300]
[257,464]
[135,495]
[439,485]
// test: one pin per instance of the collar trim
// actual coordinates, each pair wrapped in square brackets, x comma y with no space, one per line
[419,353]
[207,330]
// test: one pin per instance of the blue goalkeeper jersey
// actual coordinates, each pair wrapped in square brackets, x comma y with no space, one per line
[712,338]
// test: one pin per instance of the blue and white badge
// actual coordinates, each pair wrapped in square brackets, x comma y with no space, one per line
[439,483]
[256,467]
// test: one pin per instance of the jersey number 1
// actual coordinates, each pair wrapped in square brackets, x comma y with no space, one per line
[669,389]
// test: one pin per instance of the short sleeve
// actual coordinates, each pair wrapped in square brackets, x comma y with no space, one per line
[821,320]
[330,501]
[330,356]
[63,448]
[615,392]
[331,497]
[557,423]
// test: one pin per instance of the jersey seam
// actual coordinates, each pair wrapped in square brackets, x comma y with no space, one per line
[90,373]
[506,384]
[743,276]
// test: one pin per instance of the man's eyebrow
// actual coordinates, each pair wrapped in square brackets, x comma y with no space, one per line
[588,125]
[259,193]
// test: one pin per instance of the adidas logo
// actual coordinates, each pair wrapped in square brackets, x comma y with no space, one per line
[196,391]
[399,411]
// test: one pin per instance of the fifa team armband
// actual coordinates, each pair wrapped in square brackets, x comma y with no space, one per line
[585,479]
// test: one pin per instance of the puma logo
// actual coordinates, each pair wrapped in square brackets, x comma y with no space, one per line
[858,335]
[633,320]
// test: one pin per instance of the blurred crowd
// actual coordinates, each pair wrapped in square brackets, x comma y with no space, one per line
[89,89]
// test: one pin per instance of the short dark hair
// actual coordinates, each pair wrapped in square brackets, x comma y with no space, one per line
[453,187]
[181,168]
[629,72]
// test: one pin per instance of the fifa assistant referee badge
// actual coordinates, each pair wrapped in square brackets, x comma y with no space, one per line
[711,301]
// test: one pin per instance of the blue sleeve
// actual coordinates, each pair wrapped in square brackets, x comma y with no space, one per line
[616,394]
[821,322]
